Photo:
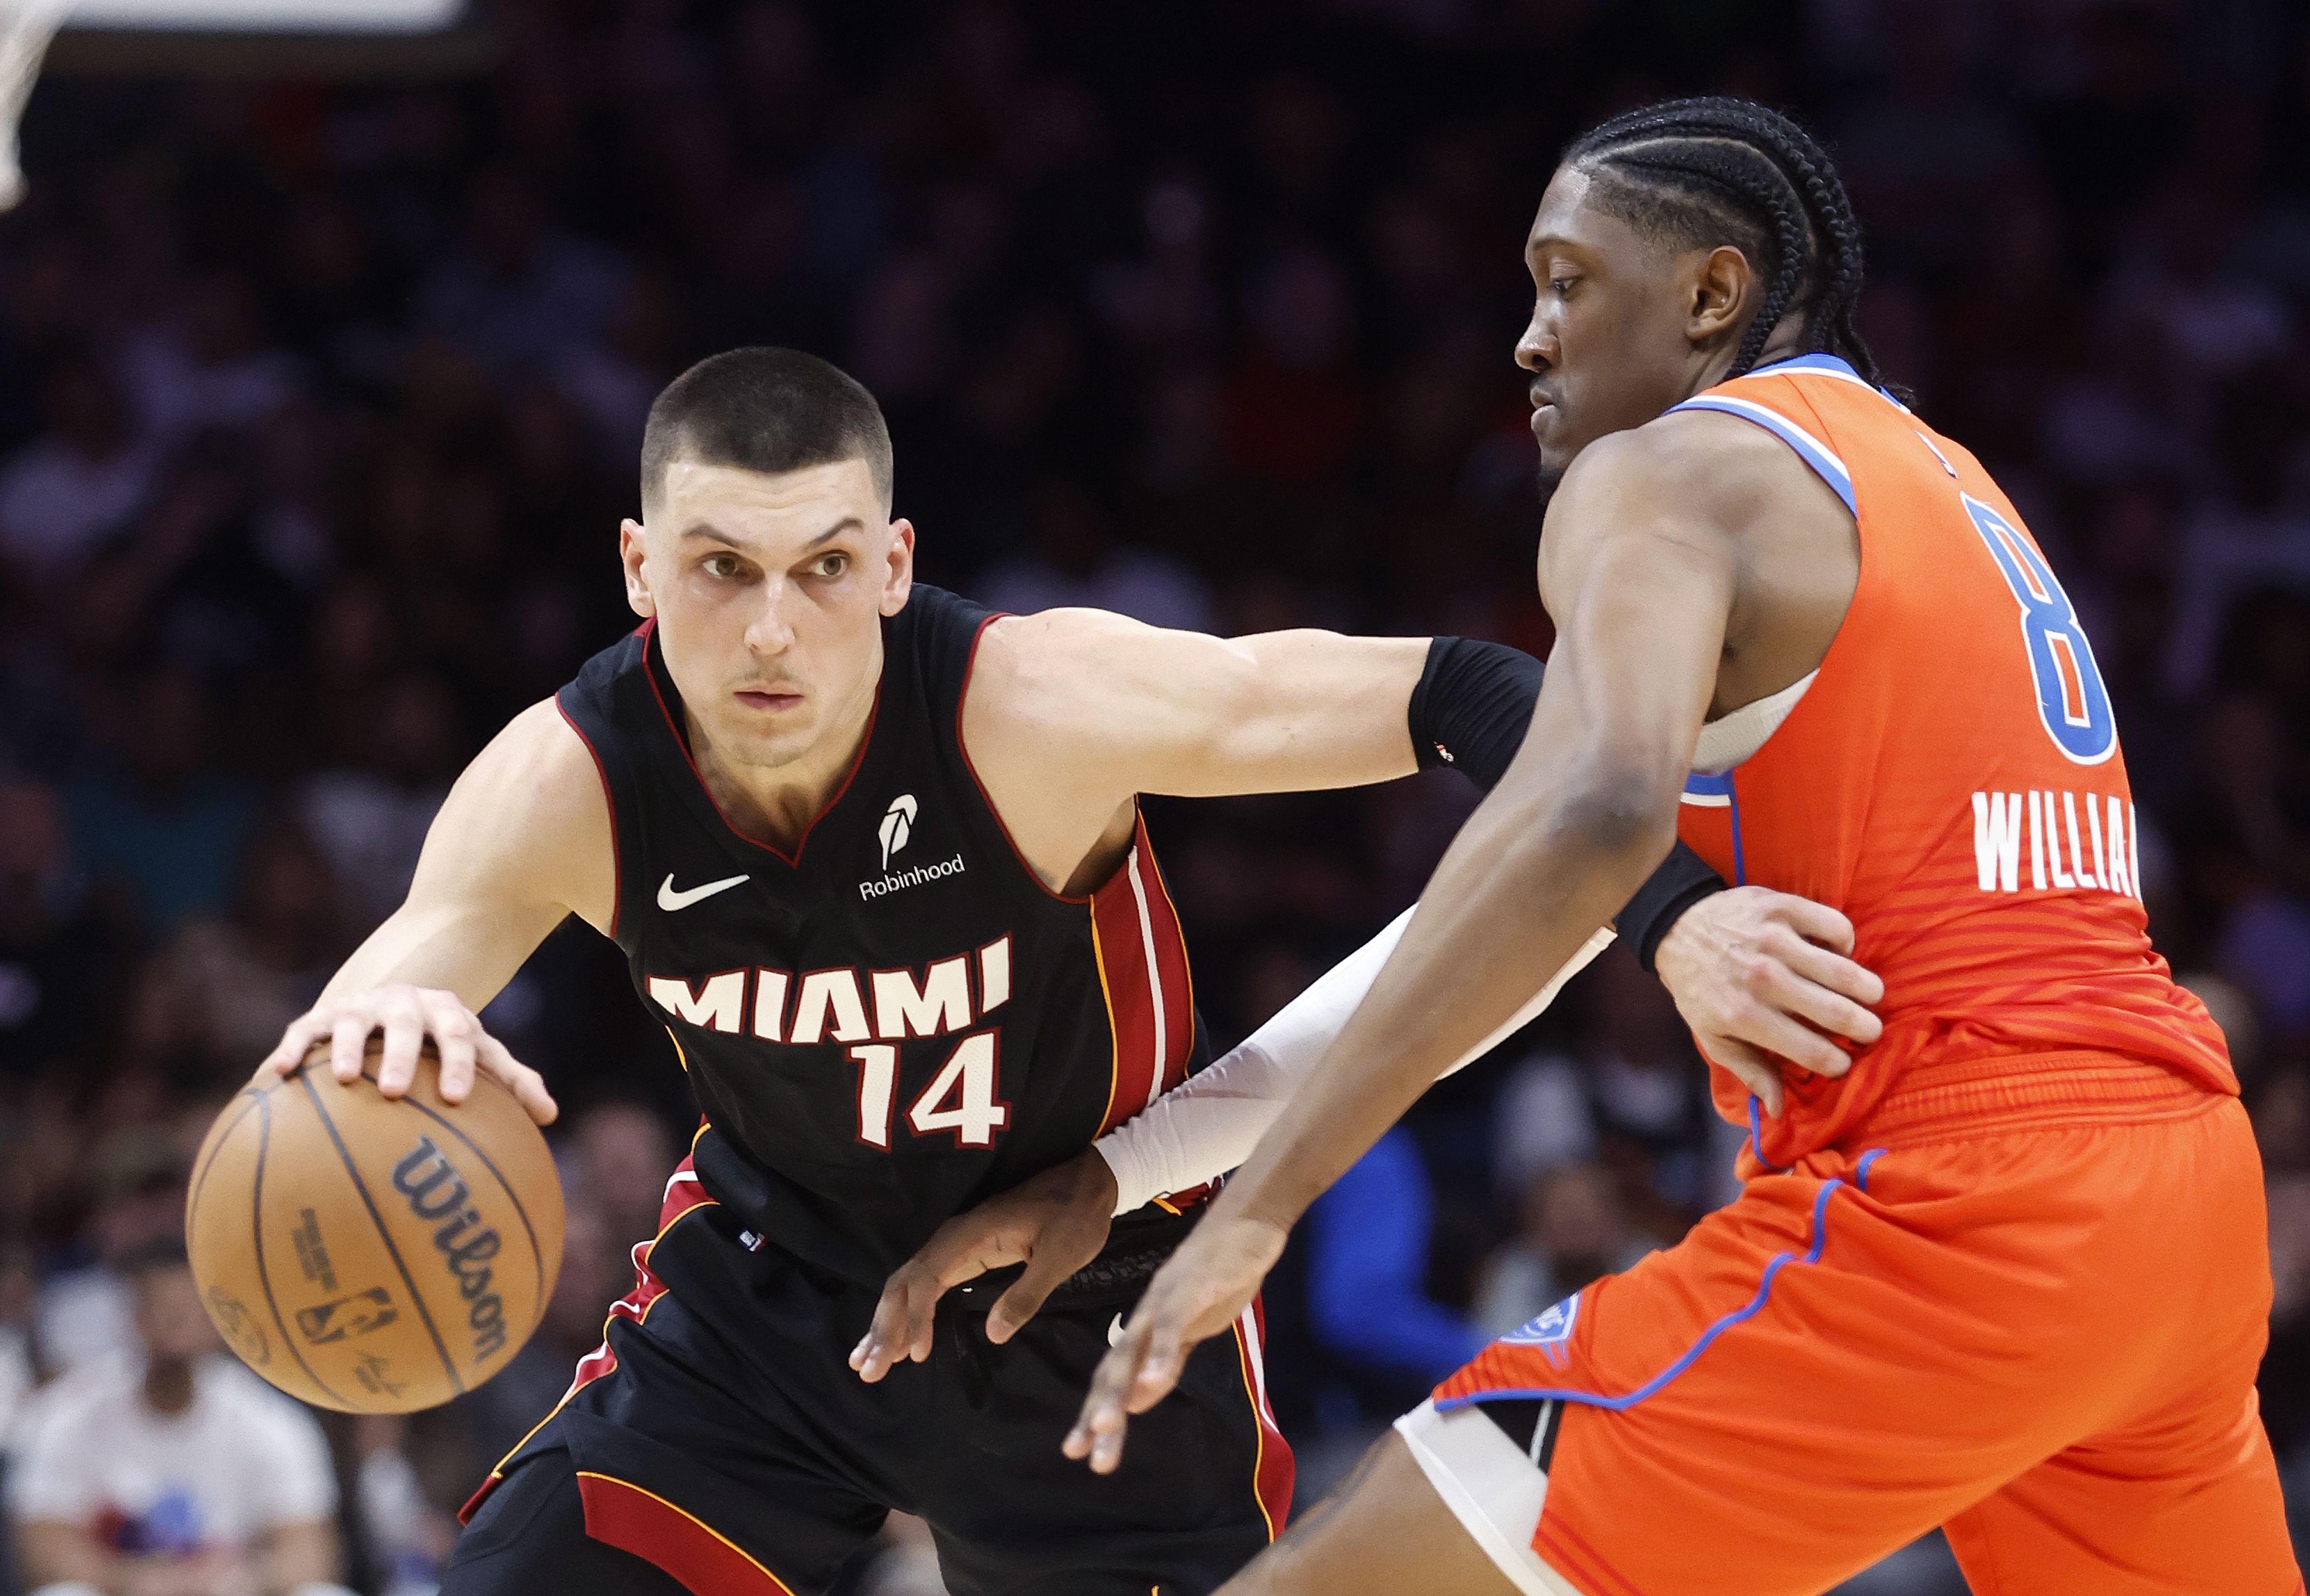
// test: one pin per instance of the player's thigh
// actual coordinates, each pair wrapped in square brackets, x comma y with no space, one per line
[529,1535]
[1385,1530]
[2204,1518]
[1204,1483]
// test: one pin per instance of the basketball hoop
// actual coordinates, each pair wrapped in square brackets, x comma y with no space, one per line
[26,26]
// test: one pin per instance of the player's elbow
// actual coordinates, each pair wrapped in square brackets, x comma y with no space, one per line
[1620,811]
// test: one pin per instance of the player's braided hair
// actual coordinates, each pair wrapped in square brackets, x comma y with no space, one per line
[1694,171]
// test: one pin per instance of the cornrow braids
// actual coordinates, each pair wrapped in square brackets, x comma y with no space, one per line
[1696,170]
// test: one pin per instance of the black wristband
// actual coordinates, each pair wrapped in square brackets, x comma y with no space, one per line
[1683,880]
[1471,709]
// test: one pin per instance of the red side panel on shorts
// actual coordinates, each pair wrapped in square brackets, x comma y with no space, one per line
[659,1533]
[682,1194]
[1273,1474]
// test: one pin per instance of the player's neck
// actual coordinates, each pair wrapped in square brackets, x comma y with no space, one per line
[776,804]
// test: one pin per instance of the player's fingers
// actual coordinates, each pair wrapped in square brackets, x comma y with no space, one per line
[902,1322]
[1826,967]
[1814,922]
[1026,1295]
[404,1034]
[1102,1408]
[1782,989]
[1774,1032]
[1751,1069]
[1159,1366]
[527,1085]
[289,1050]
[348,1040]
[457,1038]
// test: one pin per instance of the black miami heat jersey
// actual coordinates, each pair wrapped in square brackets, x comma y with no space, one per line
[894,1018]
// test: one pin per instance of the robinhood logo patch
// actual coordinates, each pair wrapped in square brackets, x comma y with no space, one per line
[897,825]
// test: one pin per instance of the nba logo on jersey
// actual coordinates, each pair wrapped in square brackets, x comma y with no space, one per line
[1550,1332]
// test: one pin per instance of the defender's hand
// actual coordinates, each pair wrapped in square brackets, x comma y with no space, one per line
[1754,972]
[1201,1290]
[409,1015]
[1055,1224]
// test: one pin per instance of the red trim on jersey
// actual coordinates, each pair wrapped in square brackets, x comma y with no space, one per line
[682,1194]
[707,1562]
[1271,1474]
[682,742]
[1143,968]
[617,865]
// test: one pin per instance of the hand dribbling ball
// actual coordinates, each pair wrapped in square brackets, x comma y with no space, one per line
[369,1254]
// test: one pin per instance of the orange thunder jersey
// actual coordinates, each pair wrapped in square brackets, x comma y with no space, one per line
[1951,780]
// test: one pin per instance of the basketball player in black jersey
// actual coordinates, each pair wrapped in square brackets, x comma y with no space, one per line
[876,859]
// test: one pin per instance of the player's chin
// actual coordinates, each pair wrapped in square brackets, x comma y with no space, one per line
[765,741]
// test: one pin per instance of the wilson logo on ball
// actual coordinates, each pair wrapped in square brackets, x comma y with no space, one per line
[439,1194]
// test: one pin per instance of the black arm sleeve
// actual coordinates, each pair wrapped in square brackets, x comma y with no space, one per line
[1471,711]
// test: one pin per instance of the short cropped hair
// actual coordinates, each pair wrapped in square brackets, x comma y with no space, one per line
[768,410]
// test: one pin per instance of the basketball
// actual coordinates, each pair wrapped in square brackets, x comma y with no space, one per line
[368,1254]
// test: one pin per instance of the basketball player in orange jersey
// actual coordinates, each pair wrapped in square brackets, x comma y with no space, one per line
[874,856]
[2008,1274]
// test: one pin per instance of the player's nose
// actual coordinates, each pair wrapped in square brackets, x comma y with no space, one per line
[769,631]
[1536,351]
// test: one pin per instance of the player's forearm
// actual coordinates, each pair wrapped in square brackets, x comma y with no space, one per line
[469,949]
[1316,710]
[1541,864]
[1210,1122]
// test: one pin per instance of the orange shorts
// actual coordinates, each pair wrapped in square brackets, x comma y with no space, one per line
[2028,1310]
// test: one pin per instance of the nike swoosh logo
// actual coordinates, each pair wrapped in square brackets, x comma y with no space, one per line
[1115,1332]
[670,900]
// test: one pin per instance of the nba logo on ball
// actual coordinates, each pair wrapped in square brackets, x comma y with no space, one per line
[1550,1331]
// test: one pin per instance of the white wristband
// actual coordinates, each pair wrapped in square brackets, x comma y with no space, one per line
[1210,1123]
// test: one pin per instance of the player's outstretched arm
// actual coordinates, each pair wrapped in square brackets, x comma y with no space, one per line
[1639,566]
[522,839]
[1112,708]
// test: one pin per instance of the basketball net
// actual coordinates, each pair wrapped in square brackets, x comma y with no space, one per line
[26,26]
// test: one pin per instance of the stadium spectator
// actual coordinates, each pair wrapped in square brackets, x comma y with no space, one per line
[176,1472]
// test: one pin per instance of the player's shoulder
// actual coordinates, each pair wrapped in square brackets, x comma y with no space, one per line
[530,816]
[1705,465]
[540,749]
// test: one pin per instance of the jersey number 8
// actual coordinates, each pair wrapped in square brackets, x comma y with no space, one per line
[2071,700]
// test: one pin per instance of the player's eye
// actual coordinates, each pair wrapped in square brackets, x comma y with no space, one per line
[829,565]
[1561,286]
[720,567]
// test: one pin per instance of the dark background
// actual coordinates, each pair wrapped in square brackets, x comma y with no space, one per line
[319,402]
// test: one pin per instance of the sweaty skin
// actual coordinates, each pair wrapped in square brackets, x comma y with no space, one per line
[1692,565]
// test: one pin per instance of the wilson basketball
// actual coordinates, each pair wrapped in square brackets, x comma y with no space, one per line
[374,1255]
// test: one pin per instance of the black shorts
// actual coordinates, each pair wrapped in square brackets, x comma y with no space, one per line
[732,1448]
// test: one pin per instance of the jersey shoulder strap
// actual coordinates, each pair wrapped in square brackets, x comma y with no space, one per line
[607,704]
[934,639]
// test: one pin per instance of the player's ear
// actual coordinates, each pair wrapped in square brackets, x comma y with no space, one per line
[1719,285]
[631,549]
[899,571]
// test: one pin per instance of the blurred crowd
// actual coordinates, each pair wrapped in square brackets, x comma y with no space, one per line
[319,403]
